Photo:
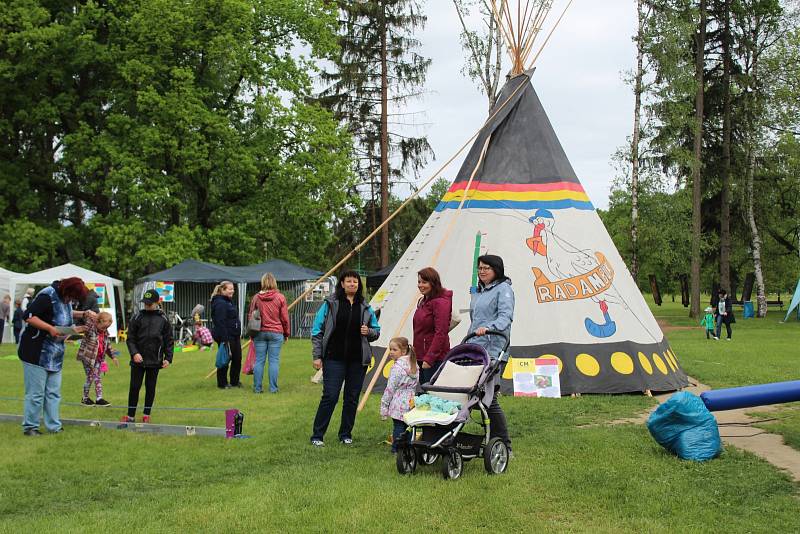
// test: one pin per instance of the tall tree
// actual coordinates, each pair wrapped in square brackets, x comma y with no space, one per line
[136,134]
[759,24]
[725,203]
[638,90]
[378,71]
[484,47]
[697,186]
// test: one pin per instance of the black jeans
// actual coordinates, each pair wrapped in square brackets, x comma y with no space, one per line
[497,420]
[17,332]
[334,374]
[150,377]
[235,365]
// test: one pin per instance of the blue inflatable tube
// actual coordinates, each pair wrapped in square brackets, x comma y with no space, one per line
[747,396]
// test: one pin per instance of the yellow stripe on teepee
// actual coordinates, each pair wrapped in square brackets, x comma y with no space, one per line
[473,194]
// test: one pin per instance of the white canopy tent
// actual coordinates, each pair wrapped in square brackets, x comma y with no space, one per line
[47,276]
[7,335]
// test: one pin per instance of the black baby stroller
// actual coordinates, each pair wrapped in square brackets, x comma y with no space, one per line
[467,376]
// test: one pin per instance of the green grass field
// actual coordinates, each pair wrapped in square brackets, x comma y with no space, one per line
[571,472]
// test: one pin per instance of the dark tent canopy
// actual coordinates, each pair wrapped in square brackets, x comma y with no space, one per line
[191,271]
[195,280]
[377,278]
[281,269]
[200,271]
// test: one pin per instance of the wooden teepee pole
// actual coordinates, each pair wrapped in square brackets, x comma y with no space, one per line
[410,307]
[433,260]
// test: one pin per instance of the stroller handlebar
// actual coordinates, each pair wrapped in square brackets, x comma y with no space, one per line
[490,333]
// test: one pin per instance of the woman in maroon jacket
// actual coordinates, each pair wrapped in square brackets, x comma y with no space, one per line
[432,322]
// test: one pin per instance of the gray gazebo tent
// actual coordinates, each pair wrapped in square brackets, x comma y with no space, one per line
[195,280]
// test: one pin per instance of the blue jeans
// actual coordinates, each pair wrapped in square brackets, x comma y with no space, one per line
[42,391]
[334,375]
[267,344]
[398,431]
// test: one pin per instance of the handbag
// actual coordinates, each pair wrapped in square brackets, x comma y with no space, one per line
[223,355]
[250,362]
[254,323]
[455,319]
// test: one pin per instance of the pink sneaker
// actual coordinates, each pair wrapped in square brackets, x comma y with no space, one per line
[145,419]
[126,419]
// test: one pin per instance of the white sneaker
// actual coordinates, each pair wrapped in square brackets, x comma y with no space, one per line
[716,338]
[728,339]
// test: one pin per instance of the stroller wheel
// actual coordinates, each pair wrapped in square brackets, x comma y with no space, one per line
[452,465]
[426,457]
[495,456]
[406,460]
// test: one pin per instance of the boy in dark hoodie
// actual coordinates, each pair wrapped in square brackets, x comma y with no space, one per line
[150,344]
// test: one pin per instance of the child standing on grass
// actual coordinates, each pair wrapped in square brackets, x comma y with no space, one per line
[92,353]
[708,322]
[150,344]
[399,393]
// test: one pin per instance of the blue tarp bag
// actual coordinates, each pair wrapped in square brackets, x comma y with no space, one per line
[223,356]
[684,426]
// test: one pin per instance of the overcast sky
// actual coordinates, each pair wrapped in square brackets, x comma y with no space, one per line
[578,79]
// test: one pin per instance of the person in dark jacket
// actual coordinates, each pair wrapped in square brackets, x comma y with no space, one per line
[41,349]
[227,328]
[492,308]
[5,314]
[724,313]
[17,322]
[340,337]
[432,322]
[150,344]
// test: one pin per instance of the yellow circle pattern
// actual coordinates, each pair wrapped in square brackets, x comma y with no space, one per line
[622,363]
[660,364]
[587,365]
[669,361]
[645,363]
[673,358]
[387,369]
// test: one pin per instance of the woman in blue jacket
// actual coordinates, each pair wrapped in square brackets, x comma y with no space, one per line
[340,337]
[226,328]
[492,308]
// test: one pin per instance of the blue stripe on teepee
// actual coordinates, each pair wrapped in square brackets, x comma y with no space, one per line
[517,205]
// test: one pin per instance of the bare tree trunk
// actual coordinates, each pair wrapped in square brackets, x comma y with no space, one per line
[637,110]
[384,146]
[761,294]
[725,208]
[376,253]
[697,191]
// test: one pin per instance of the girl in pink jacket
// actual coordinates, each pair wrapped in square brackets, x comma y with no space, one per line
[398,396]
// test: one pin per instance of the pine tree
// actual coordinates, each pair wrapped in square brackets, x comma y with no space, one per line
[378,71]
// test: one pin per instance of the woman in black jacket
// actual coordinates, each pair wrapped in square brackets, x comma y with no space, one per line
[226,328]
